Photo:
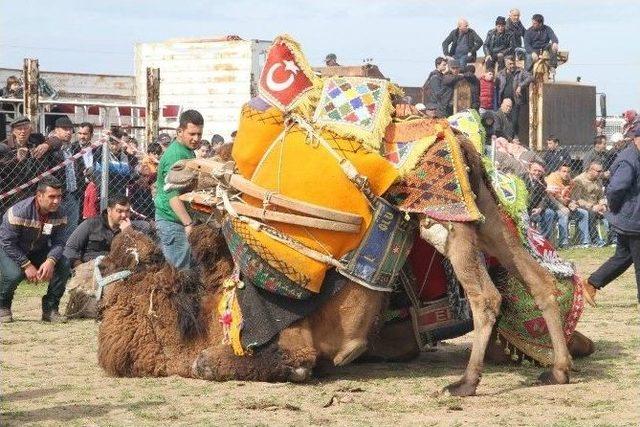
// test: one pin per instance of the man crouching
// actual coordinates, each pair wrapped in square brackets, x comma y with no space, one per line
[32,237]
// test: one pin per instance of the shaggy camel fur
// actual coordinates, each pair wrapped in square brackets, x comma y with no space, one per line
[138,335]
[161,322]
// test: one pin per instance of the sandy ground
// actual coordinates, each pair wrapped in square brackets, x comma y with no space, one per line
[49,376]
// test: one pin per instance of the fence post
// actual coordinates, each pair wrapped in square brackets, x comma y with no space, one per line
[153,104]
[104,164]
[31,73]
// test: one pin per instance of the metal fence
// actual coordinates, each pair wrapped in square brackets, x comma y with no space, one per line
[559,205]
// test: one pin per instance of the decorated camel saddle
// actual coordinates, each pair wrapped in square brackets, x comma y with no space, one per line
[326,177]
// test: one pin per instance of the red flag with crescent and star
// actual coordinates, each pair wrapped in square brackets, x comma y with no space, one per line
[283,81]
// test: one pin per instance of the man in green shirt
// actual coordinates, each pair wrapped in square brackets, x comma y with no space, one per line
[172,219]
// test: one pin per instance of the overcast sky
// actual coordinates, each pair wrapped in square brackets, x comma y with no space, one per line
[402,36]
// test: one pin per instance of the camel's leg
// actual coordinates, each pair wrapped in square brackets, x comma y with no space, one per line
[341,327]
[462,251]
[497,240]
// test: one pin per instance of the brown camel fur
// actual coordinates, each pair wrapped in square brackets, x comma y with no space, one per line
[159,321]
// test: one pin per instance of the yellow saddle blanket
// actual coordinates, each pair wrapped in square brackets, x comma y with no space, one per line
[294,164]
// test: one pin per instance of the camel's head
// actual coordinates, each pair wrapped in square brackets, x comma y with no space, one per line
[131,250]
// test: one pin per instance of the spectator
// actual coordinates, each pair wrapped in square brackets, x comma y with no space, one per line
[488,120]
[72,174]
[84,136]
[497,45]
[13,88]
[19,163]
[513,83]
[474,85]
[233,136]
[559,188]
[503,126]
[91,198]
[331,60]
[434,91]
[93,237]
[619,144]
[149,164]
[462,43]
[555,155]
[631,122]
[449,81]
[164,139]
[515,27]
[31,243]
[542,210]
[588,192]
[623,196]
[120,166]
[172,219]
[204,151]
[216,140]
[598,154]
[539,38]
[487,92]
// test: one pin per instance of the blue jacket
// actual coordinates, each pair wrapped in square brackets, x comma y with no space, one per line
[623,191]
[22,237]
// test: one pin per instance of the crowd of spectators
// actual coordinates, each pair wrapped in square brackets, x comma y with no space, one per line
[66,204]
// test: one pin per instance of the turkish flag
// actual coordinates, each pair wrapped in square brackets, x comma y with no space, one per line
[282,81]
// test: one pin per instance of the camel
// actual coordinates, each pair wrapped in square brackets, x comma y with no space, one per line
[161,322]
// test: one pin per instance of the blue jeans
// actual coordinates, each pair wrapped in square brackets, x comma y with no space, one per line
[596,239]
[71,207]
[545,220]
[175,244]
[462,59]
[11,275]
[581,216]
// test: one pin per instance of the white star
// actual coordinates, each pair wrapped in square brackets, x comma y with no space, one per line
[291,66]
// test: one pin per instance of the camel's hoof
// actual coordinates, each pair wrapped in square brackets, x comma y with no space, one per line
[553,377]
[461,388]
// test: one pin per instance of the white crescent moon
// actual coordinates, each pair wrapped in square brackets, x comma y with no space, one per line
[278,86]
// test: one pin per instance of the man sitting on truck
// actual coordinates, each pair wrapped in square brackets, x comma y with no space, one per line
[497,45]
[539,38]
[462,43]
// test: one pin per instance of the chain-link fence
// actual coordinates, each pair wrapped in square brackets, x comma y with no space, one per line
[566,184]
[90,173]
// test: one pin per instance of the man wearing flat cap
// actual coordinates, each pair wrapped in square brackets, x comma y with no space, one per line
[498,44]
[24,156]
[71,175]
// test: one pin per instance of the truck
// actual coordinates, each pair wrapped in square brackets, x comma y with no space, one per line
[215,76]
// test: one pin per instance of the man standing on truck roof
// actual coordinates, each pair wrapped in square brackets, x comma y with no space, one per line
[515,27]
[462,43]
[173,222]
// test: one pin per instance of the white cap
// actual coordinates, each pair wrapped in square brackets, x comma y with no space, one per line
[420,106]
[616,137]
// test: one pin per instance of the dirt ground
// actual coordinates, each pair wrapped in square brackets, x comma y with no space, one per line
[49,376]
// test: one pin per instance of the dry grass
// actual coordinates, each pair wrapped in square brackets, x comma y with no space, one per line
[50,376]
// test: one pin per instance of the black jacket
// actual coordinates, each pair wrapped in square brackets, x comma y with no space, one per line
[496,43]
[57,153]
[449,44]
[521,78]
[434,91]
[93,238]
[517,31]
[623,192]
[23,234]
[503,126]
[535,40]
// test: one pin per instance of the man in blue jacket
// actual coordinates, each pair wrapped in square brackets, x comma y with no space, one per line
[539,38]
[623,195]
[32,236]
